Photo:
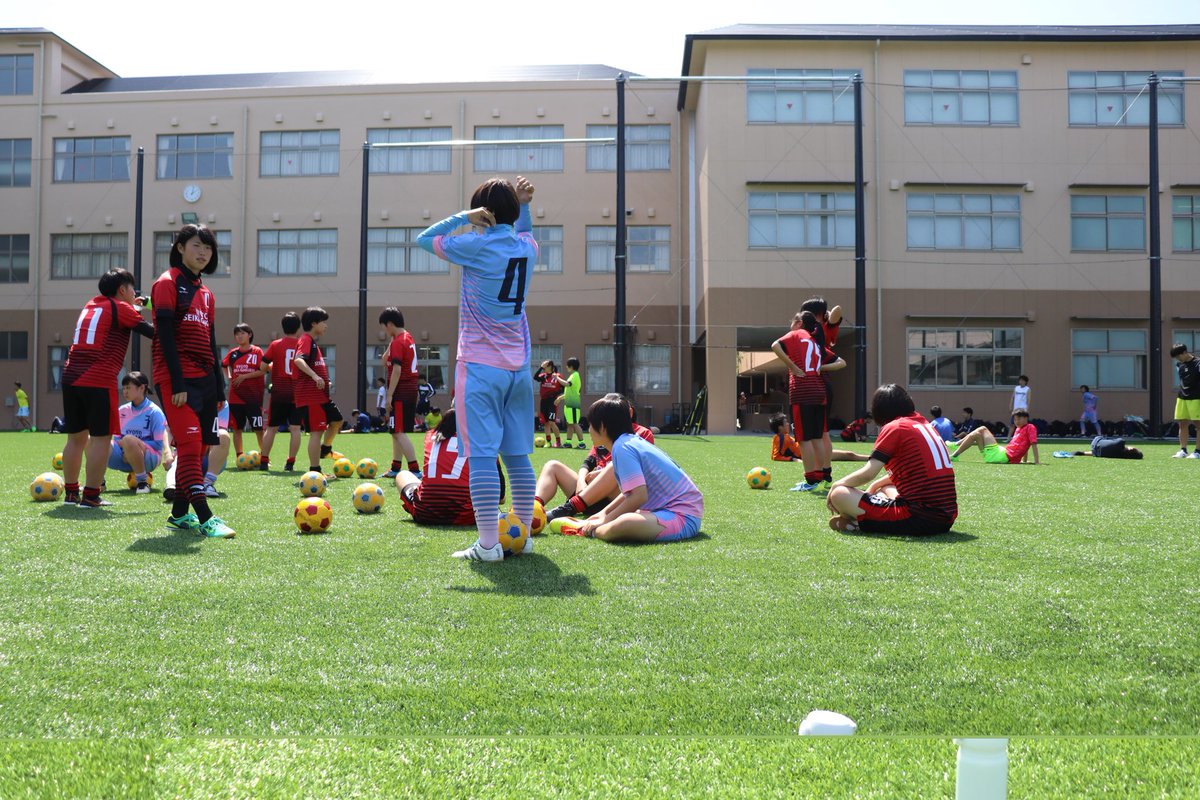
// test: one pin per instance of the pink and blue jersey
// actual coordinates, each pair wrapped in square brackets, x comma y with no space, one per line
[668,488]
[497,265]
[147,422]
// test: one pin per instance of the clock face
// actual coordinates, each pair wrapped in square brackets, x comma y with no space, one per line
[191,193]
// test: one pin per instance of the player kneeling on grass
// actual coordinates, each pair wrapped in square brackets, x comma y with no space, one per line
[138,449]
[1023,440]
[442,494]
[658,501]
[917,496]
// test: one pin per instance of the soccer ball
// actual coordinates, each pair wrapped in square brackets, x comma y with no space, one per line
[249,460]
[313,484]
[368,498]
[512,534]
[56,462]
[131,480]
[47,486]
[367,468]
[539,441]
[313,515]
[758,478]
[538,524]
[343,467]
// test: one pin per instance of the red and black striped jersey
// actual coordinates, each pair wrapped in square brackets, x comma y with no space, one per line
[402,355]
[808,355]
[548,385]
[101,340]
[304,390]
[444,496]
[919,465]
[279,355]
[245,362]
[182,293]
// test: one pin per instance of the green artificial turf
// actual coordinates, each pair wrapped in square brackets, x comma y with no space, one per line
[1063,604]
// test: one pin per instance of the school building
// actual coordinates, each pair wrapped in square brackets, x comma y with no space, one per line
[1006,208]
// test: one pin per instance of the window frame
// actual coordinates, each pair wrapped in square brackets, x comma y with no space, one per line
[8,340]
[16,163]
[10,252]
[165,240]
[640,383]
[1139,356]
[762,219]
[1084,90]
[599,369]
[658,248]
[508,158]
[921,82]
[639,147]
[948,220]
[400,160]
[386,243]
[321,150]
[1111,218]
[964,353]
[116,159]
[113,255]
[1189,219]
[218,153]
[323,250]
[761,94]
[21,65]
[550,249]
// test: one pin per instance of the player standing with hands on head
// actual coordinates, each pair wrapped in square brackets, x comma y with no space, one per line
[493,392]
[187,372]
[401,393]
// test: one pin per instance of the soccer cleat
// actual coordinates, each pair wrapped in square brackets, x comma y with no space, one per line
[1195,454]
[215,528]
[1183,453]
[527,548]
[188,522]
[71,498]
[1063,454]
[211,491]
[262,466]
[289,467]
[843,524]
[567,526]
[581,446]
[477,553]
[565,510]
[142,488]
[804,486]
[93,502]
[390,474]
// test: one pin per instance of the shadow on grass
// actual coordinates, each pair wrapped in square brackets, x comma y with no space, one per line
[950,537]
[174,543]
[531,575]
[700,536]
[69,511]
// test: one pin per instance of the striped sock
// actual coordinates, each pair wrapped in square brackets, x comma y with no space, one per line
[485,498]
[522,483]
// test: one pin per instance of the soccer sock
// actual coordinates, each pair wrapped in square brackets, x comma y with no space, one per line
[291,462]
[210,479]
[813,477]
[314,468]
[396,465]
[558,440]
[576,503]
[91,491]
[326,449]
[264,460]
[485,498]
[522,482]
[140,477]
[72,487]
[180,507]
[200,504]
[827,473]
[414,467]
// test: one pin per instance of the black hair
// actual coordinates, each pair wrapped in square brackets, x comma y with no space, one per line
[1023,378]
[816,305]
[243,327]
[1134,453]
[553,366]
[891,402]
[448,427]
[970,411]
[613,414]
[810,323]
[391,314]
[936,411]
[111,282]
[1178,349]
[136,378]
[290,323]
[311,316]
[380,381]
[498,196]
[1021,412]
[1085,387]
[17,384]
[573,363]
[778,422]
[435,409]
[355,413]
[181,238]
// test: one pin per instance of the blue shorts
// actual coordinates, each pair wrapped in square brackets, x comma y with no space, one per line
[1088,416]
[116,458]
[676,526]
[495,410]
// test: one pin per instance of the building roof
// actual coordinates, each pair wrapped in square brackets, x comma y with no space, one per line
[277,80]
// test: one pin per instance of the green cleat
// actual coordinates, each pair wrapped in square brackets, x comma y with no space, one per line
[188,522]
[216,528]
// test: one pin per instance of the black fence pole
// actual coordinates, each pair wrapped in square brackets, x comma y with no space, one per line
[1156,366]
[360,397]
[860,259]
[135,358]
[620,346]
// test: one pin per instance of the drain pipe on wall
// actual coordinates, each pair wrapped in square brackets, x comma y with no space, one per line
[875,243]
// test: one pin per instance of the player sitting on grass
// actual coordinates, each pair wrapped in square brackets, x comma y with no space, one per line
[917,496]
[592,486]
[783,446]
[493,392]
[657,502]
[441,495]
[1023,440]
[139,448]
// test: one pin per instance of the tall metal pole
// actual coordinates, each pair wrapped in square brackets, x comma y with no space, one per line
[360,397]
[620,346]
[1156,367]
[135,359]
[860,259]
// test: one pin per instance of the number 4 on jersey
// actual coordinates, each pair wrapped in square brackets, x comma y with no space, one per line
[513,288]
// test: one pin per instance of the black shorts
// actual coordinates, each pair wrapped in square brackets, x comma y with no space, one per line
[197,418]
[280,411]
[809,422]
[547,409]
[404,406]
[242,413]
[91,409]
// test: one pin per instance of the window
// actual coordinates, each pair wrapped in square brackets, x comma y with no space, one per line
[506,158]
[14,258]
[56,360]
[163,240]
[292,153]
[87,255]
[540,352]
[394,251]
[1191,340]
[647,148]
[329,351]
[298,252]
[409,160]
[964,222]
[433,362]
[14,345]
[1106,223]
[968,357]
[16,75]
[195,155]
[647,248]
[599,369]
[801,219]
[376,368]
[1107,99]
[1185,223]
[805,102]
[960,97]
[16,161]
[94,160]
[550,248]
[651,369]
[1108,359]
